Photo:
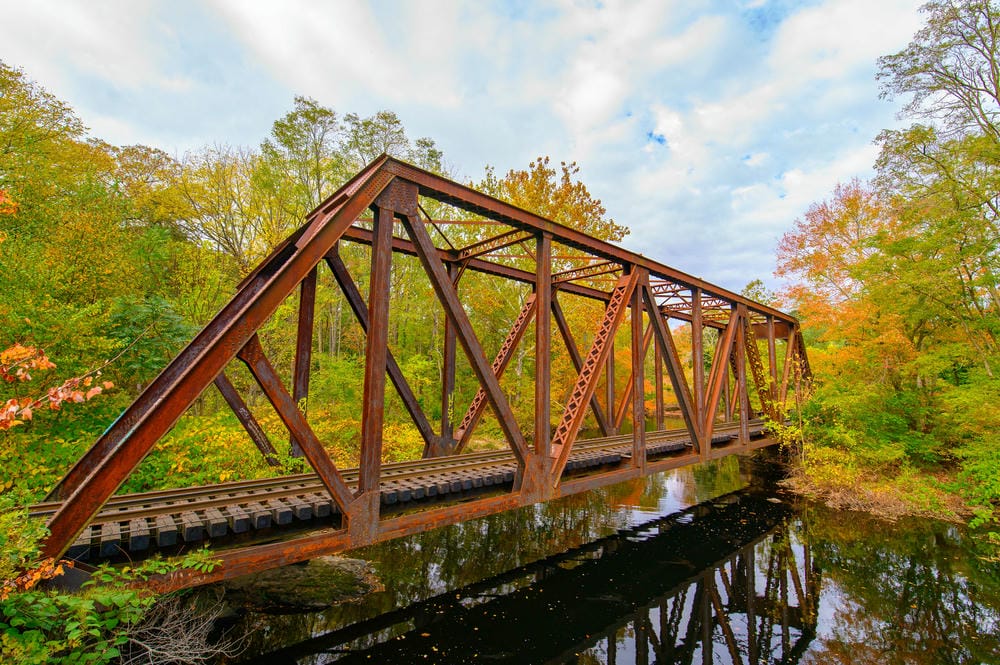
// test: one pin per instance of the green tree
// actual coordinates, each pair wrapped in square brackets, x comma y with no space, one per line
[304,148]
[757,291]
[367,138]
[951,68]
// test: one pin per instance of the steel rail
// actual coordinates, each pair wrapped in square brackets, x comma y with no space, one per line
[160,502]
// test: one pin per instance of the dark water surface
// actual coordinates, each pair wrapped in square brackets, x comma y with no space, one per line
[697,565]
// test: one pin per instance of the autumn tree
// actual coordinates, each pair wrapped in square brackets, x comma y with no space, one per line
[558,195]
[85,242]
[897,282]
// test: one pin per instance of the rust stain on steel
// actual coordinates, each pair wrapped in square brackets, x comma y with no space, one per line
[391,189]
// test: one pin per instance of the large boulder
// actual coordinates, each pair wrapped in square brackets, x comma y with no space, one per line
[315,585]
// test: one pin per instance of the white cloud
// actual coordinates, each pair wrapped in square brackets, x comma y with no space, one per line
[708,128]
[342,51]
[60,40]
[827,40]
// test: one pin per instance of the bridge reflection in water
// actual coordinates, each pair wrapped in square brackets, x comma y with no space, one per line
[723,581]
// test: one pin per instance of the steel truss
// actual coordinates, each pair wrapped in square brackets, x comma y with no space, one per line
[567,264]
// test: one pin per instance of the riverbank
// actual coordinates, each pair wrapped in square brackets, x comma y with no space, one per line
[888,491]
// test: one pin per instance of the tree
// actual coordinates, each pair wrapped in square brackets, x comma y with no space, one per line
[952,68]
[367,138]
[831,246]
[897,283]
[304,147]
[757,291]
[146,178]
[383,133]
[556,195]
[232,202]
[942,179]
[33,126]
[16,366]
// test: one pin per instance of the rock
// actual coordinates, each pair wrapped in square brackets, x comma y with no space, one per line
[316,585]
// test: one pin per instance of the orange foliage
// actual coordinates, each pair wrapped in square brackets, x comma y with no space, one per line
[45,570]
[829,249]
[8,206]
[16,364]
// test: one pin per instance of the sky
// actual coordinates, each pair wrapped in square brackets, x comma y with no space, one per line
[707,128]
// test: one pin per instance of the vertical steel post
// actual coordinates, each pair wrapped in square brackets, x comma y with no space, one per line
[658,373]
[698,354]
[741,378]
[543,343]
[447,443]
[786,370]
[772,359]
[638,381]
[303,345]
[376,346]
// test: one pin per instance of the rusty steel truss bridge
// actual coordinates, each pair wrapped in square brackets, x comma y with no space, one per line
[752,363]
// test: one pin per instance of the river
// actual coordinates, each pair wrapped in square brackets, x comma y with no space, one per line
[706,564]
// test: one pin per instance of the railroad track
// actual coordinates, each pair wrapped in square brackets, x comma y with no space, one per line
[132,524]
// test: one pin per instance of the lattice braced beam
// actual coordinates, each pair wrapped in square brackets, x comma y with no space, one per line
[593,270]
[493,244]
[765,391]
[586,382]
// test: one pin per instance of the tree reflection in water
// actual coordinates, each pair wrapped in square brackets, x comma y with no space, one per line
[628,575]
[913,592]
